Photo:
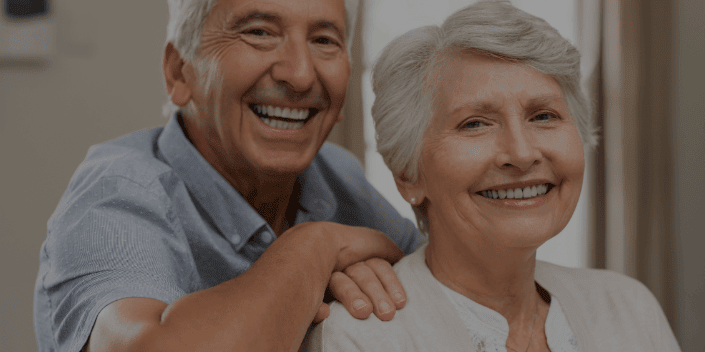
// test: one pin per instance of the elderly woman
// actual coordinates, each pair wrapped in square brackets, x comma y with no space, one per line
[484,127]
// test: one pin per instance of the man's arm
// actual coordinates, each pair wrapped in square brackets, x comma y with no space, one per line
[268,308]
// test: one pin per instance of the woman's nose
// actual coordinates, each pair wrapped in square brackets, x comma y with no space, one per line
[518,149]
[295,67]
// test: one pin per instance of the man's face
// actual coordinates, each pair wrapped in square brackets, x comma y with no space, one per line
[284,70]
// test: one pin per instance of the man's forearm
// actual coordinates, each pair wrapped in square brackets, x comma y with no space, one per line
[268,308]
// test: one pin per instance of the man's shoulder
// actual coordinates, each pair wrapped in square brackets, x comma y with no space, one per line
[126,167]
[132,157]
[339,159]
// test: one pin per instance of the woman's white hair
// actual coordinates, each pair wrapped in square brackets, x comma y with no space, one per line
[186,18]
[404,76]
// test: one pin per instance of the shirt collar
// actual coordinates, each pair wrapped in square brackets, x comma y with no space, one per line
[229,212]
[316,198]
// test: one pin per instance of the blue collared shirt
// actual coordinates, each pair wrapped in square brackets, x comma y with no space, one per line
[146,215]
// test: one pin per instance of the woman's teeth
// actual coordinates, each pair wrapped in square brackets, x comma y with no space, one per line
[282,118]
[516,193]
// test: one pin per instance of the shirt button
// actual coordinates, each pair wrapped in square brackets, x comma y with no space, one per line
[266,237]
[236,239]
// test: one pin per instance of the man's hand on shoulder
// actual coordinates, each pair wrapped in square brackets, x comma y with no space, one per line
[364,280]
[367,286]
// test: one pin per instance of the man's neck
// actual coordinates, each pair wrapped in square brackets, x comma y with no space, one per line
[270,198]
[267,193]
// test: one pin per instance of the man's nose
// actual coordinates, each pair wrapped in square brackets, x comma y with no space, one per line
[518,148]
[295,67]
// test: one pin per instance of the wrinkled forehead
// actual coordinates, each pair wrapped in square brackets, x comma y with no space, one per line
[316,13]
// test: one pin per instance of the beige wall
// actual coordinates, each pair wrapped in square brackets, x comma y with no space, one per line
[103,81]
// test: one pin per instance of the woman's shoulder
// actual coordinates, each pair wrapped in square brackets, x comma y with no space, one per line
[608,309]
[342,332]
[587,278]
[427,322]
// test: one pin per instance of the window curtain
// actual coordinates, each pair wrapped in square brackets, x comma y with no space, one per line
[634,217]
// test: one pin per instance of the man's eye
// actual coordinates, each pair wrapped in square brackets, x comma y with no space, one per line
[324,41]
[257,32]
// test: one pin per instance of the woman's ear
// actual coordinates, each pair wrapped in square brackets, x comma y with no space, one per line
[176,85]
[414,192]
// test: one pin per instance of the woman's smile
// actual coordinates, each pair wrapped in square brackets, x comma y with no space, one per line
[529,197]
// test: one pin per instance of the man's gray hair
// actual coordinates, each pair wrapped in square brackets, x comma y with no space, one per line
[404,77]
[186,19]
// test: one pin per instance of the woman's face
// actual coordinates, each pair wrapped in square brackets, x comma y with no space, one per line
[502,161]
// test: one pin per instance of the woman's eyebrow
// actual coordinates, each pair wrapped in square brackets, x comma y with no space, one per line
[239,21]
[481,107]
[485,107]
[541,101]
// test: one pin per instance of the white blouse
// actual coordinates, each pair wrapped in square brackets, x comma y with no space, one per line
[489,330]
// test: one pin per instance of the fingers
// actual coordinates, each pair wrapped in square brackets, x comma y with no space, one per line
[322,314]
[346,291]
[386,275]
[366,279]
[359,244]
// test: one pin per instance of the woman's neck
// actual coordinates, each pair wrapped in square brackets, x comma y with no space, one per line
[501,279]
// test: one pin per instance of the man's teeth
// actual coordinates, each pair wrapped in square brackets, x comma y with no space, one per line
[516,193]
[284,113]
[283,125]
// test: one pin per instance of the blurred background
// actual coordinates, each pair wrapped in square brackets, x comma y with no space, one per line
[80,72]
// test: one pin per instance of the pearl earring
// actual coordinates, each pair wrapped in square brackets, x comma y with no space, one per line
[413,201]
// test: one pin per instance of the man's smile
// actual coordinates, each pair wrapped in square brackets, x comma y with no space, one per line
[282,117]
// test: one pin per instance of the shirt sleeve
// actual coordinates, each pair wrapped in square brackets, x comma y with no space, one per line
[115,239]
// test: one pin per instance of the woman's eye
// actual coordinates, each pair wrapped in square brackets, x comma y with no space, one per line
[474,124]
[544,117]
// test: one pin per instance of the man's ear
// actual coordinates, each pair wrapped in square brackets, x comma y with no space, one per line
[174,73]
[413,192]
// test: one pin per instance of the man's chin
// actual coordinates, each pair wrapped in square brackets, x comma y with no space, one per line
[285,163]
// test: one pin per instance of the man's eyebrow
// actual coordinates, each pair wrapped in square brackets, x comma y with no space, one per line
[323,24]
[236,22]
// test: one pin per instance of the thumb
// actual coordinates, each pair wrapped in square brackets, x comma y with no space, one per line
[322,314]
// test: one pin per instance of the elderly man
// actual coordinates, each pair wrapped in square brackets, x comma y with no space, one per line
[222,230]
